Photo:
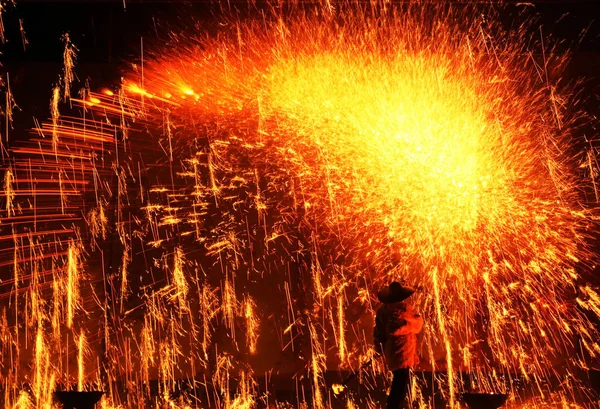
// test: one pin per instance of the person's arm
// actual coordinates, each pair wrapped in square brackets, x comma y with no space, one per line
[413,323]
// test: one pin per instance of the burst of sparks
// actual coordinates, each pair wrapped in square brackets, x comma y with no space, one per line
[416,156]
[355,147]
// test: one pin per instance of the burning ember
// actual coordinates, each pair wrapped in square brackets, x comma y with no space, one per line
[263,182]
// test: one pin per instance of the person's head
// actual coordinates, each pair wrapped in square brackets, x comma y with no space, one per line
[395,292]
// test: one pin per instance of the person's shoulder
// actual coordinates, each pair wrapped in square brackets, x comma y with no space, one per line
[382,308]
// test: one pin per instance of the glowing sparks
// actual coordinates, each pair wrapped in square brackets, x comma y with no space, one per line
[384,146]
[24,401]
[208,310]
[97,222]
[244,398]
[40,357]
[72,291]
[179,281]
[9,192]
[252,324]
[55,114]
[81,346]
[69,57]
[9,106]
[338,388]
[230,306]
[147,350]
[316,368]
[2,33]
[341,328]
[24,39]
[414,149]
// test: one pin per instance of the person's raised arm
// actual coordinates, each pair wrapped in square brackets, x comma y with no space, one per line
[413,323]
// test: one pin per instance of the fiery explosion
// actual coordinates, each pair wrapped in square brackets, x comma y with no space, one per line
[365,144]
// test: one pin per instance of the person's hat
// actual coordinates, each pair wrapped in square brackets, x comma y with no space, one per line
[395,292]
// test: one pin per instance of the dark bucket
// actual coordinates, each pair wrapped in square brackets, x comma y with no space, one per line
[78,400]
[484,400]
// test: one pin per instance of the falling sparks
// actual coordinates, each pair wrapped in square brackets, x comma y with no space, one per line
[179,281]
[223,187]
[244,398]
[98,222]
[2,33]
[147,350]
[229,307]
[55,114]
[9,106]
[24,39]
[81,346]
[341,329]
[208,310]
[72,290]
[24,401]
[434,186]
[9,192]
[39,363]
[316,368]
[69,57]
[252,324]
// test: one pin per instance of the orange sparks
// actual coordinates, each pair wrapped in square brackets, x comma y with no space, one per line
[55,114]
[72,282]
[69,57]
[81,346]
[9,192]
[226,185]
[338,388]
[413,149]
[252,324]
[179,280]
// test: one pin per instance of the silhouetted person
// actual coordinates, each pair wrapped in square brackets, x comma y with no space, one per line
[396,327]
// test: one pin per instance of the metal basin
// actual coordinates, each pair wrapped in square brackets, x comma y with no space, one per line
[484,400]
[78,400]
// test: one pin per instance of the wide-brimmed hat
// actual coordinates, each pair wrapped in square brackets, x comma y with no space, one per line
[395,292]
